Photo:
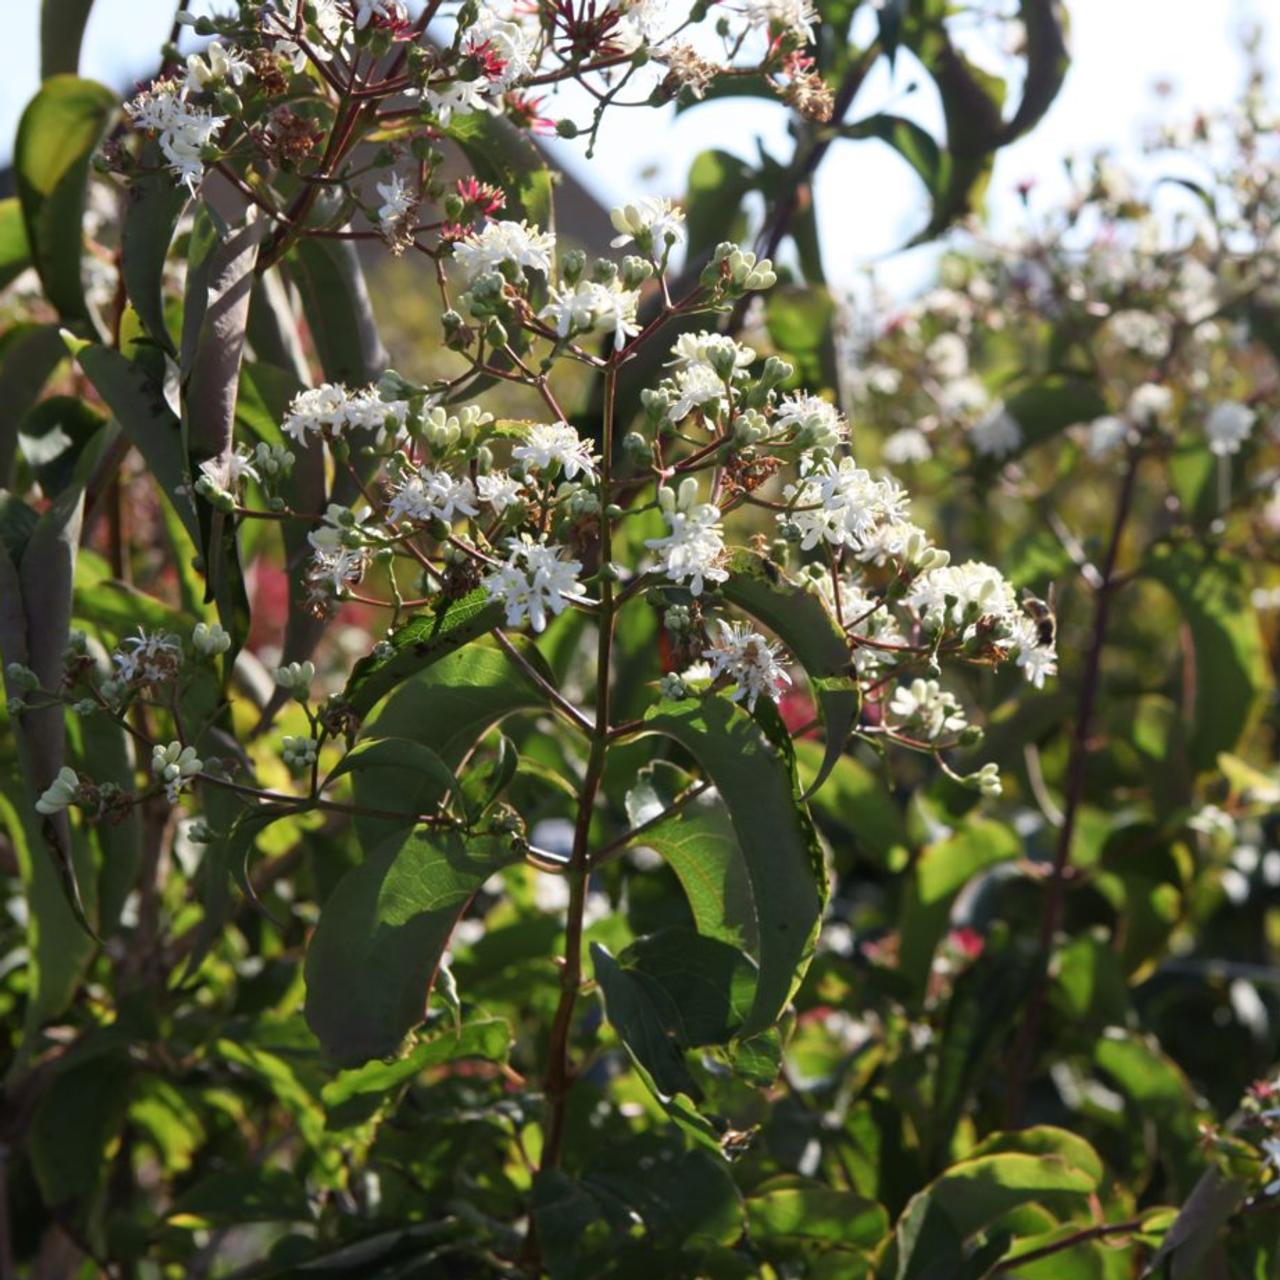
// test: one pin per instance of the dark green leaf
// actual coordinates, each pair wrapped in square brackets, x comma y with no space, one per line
[244,1195]
[374,954]
[718,181]
[155,204]
[790,1209]
[501,154]
[15,252]
[57,136]
[754,772]
[62,24]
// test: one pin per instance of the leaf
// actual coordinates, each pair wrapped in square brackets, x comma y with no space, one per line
[754,772]
[1232,675]
[1195,1231]
[52,436]
[1047,65]
[971,1196]
[503,155]
[215,316]
[1047,407]
[397,775]
[374,953]
[29,354]
[789,1209]
[339,314]
[803,623]
[718,182]
[913,143]
[156,203]
[15,252]
[243,1195]
[940,872]
[57,136]
[424,639]
[62,24]
[487,1038]
[139,405]
[801,322]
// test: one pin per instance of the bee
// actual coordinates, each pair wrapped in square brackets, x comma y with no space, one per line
[1041,612]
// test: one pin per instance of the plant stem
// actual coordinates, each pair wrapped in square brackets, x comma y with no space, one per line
[1055,893]
[559,1078]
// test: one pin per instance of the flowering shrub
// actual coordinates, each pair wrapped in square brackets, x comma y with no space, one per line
[534,817]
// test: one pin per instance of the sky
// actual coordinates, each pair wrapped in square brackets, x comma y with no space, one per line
[869,202]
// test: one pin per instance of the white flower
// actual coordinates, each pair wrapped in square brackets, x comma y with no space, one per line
[209,640]
[796,16]
[592,306]
[948,353]
[1036,661]
[184,131]
[225,473]
[556,444]
[398,200]
[336,567]
[425,495]
[1228,426]
[60,793]
[750,661]
[500,243]
[1142,332]
[841,504]
[1213,821]
[1105,435]
[367,10]
[1149,401]
[499,490]
[653,223]
[316,409]
[962,594]
[962,397]
[151,659]
[694,549]
[508,46]
[996,435]
[697,386]
[910,444]
[812,414]
[987,779]
[719,352]
[220,65]
[174,765]
[456,98]
[928,710]
[534,579]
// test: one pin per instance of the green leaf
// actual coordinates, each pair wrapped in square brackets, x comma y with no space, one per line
[1232,675]
[754,772]
[62,24]
[423,640]
[29,355]
[15,252]
[139,405]
[1195,1231]
[52,435]
[335,301]
[913,143]
[57,136]
[971,1196]
[938,875]
[375,951]
[398,775]
[803,623]
[487,1038]
[1047,64]
[789,1209]
[718,182]
[801,322]
[247,1194]
[503,155]
[156,203]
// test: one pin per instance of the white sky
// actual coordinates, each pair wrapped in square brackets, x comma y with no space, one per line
[869,202]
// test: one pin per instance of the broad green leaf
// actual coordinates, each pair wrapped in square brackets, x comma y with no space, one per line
[52,435]
[1045,1140]
[15,252]
[62,24]
[856,800]
[247,1194]
[339,314]
[488,1038]
[375,951]
[1232,674]
[57,136]
[974,1194]
[798,617]
[29,355]
[156,203]
[754,772]
[938,875]
[397,775]
[501,154]
[789,1209]
[423,640]
[718,181]
[801,322]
